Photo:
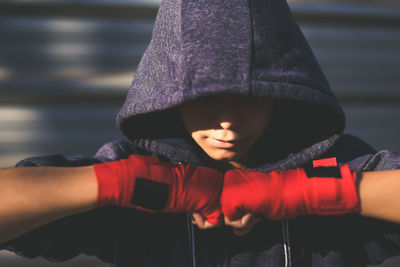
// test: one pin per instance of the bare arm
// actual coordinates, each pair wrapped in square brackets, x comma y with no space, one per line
[34,196]
[380,195]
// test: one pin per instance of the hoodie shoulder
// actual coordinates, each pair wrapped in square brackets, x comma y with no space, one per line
[114,150]
[117,150]
[363,157]
[349,147]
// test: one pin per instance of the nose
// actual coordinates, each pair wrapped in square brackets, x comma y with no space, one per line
[227,117]
[226,124]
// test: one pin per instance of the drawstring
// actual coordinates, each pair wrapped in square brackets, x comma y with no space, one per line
[192,247]
[286,243]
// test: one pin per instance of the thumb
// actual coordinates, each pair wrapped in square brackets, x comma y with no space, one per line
[230,206]
[215,216]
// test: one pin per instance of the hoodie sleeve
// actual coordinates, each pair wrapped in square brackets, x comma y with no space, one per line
[377,240]
[91,232]
[380,239]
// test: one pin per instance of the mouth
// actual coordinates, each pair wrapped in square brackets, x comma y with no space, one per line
[221,143]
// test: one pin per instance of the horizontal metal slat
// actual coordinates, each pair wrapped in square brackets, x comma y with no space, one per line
[73,9]
[337,14]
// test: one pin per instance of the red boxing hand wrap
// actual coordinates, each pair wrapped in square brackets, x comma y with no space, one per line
[145,183]
[287,194]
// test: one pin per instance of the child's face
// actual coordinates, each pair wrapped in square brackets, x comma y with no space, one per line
[227,126]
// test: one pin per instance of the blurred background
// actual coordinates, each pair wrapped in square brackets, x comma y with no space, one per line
[66,65]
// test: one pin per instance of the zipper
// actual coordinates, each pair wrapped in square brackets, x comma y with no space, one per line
[192,248]
[286,243]
[285,233]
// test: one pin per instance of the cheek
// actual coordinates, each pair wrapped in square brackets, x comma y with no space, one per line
[257,120]
[200,138]
[197,136]
[195,118]
[260,123]
[196,129]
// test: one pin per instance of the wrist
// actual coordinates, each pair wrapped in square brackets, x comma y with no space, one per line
[131,182]
[334,195]
[148,184]
[320,190]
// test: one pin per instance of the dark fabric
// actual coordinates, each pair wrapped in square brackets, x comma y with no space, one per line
[208,47]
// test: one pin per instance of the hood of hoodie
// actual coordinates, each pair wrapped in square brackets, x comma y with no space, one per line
[245,47]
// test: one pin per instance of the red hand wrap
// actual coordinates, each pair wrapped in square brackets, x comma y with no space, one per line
[287,194]
[139,180]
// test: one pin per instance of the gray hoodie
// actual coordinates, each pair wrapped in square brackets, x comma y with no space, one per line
[203,48]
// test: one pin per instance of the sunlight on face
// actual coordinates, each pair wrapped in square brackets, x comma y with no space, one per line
[227,126]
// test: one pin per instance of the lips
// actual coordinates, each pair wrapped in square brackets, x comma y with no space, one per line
[220,143]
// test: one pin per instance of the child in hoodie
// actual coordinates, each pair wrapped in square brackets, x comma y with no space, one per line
[230,124]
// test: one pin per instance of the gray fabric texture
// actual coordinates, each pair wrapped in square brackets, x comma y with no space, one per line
[202,48]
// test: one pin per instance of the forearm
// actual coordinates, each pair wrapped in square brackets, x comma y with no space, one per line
[379,195]
[34,196]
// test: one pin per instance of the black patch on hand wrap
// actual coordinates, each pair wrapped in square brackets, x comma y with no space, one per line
[149,194]
[333,172]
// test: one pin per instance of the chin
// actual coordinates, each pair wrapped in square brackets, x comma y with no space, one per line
[225,156]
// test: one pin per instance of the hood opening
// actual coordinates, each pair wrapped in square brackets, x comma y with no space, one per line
[294,126]
[155,125]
